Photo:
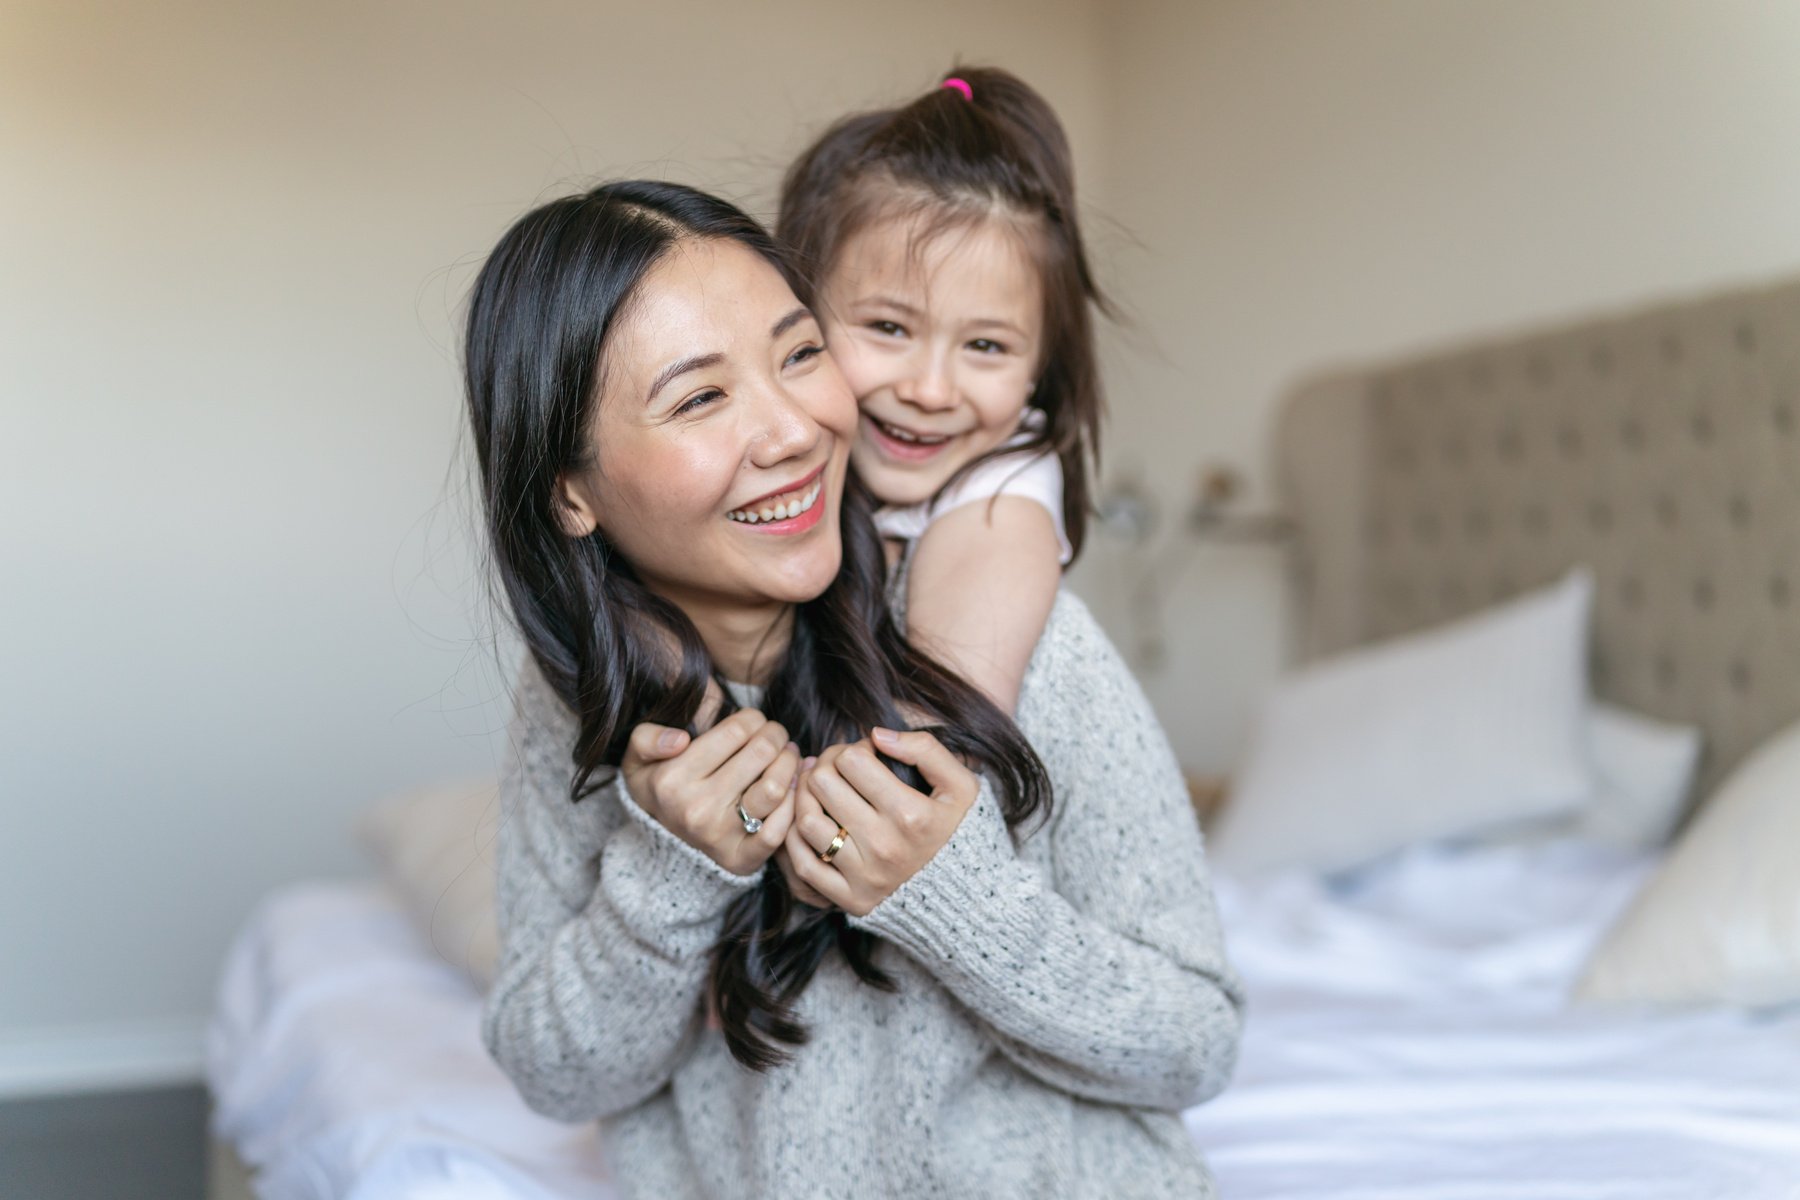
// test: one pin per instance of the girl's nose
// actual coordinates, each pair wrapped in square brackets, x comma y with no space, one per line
[930,388]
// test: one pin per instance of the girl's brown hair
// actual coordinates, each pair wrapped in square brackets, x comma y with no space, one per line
[956,157]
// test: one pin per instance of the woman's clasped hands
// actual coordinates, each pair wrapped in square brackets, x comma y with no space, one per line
[729,792]
[843,828]
[859,832]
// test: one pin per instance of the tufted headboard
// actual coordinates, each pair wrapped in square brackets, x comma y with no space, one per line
[1661,447]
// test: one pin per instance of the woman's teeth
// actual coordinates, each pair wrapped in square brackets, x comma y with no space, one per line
[907,435]
[777,512]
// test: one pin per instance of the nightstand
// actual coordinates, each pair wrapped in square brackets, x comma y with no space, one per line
[1208,792]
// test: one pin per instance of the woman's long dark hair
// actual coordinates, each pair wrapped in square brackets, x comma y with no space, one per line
[538,322]
[955,160]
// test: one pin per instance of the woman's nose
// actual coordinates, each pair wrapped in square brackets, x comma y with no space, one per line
[786,430]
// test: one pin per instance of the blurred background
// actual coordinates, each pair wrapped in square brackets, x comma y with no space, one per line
[241,599]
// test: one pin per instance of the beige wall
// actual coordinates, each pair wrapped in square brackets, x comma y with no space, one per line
[236,583]
[1311,182]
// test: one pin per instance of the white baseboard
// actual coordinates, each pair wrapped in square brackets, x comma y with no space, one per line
[101,1057]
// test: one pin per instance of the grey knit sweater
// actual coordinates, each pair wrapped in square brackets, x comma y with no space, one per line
[1062,995]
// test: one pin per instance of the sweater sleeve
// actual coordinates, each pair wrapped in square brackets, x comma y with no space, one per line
[1112,984]
[605,922]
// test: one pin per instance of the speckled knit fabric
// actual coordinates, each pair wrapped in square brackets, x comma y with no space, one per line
[1061,997]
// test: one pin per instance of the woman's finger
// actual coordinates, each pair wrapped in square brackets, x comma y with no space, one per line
[875,781]
[818,825]
[941,769]
[810,817]
[739,773]
[819,831]
[652,743]
[779,820]
[798,887]
[822,877]
[764,796]
[723,741]
[842,802]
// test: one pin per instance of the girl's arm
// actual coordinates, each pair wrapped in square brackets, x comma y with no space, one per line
[606,919]
[982,580]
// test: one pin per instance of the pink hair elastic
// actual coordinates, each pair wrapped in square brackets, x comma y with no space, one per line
[961,85]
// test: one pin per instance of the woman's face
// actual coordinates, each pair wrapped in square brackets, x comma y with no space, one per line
[939,333]
[720,437]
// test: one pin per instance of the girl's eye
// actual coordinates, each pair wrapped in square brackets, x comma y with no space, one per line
[986,346]
[698,401]
[804,353]
[889,328]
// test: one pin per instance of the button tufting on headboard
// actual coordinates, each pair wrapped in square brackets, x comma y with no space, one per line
[1640,445]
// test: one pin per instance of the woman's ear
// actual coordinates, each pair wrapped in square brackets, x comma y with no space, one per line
[576,511]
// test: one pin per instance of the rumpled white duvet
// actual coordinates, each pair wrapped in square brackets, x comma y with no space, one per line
[1407,1036]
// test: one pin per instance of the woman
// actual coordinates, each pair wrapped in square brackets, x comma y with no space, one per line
[1011,999]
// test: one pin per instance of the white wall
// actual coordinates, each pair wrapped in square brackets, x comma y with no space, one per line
[234,570]
[1313,182]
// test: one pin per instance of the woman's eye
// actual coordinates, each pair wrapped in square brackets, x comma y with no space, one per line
[804,353]
[698,401]
[889,328]
[986,346]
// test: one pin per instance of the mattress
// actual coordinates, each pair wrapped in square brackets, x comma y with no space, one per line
[1407,1036]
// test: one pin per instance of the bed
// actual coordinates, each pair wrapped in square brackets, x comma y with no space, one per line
[1410,1031]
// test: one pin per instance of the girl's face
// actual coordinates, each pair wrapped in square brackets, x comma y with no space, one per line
[721,437]
[939,333]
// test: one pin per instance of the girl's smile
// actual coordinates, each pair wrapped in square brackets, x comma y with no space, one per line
[900,443]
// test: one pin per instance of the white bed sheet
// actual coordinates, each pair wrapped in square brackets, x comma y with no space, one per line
[1407,1037]
[345,1063]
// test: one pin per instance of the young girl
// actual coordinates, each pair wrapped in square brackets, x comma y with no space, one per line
[955,295]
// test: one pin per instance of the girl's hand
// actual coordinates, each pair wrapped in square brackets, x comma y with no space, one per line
[890,830]
[694,786]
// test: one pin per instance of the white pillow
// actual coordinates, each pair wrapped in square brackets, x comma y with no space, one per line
[1643,769]
[1473,725]
[435,847]
[1719,921]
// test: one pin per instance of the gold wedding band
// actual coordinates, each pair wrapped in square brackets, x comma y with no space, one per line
[837,843]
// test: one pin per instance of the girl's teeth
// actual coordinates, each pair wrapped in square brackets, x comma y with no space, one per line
[904,435]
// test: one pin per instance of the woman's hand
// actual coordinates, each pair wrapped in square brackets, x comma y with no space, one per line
[889,829]
[798,887]
[694,786]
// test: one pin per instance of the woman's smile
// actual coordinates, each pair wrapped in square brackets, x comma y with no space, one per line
[792,510]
